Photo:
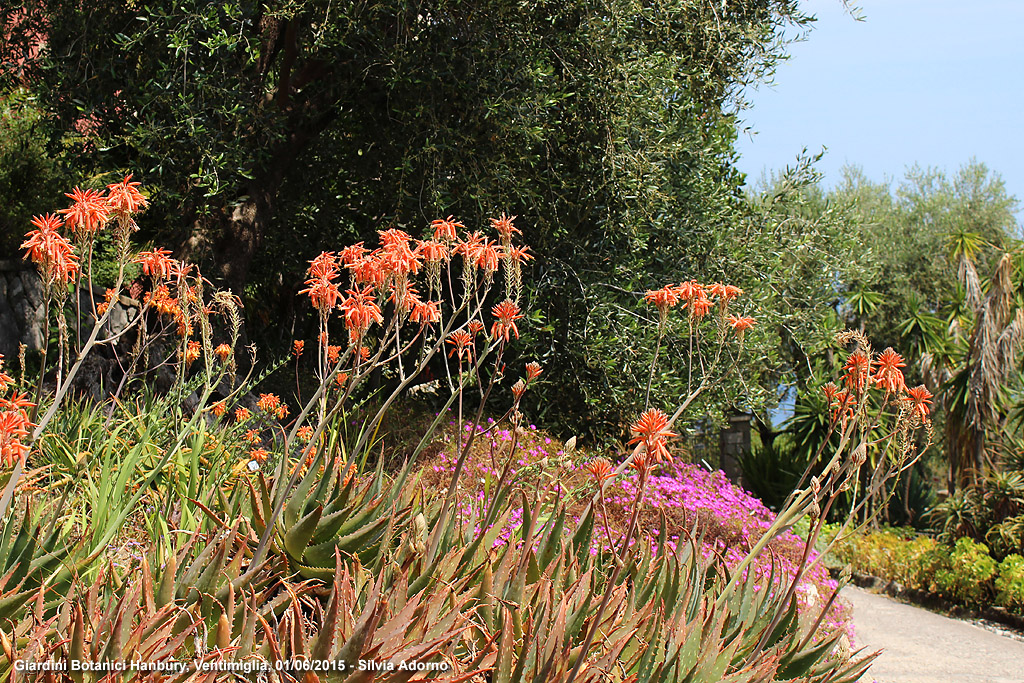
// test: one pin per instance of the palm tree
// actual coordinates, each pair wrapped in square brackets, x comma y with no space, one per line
[988,351]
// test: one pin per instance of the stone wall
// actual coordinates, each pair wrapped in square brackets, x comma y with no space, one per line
[21,309]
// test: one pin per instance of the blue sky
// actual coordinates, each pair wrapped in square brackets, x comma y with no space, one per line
[933,82]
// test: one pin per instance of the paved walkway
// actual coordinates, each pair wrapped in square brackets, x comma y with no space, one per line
[923,647]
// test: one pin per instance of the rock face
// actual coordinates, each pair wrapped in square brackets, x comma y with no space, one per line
[22,309]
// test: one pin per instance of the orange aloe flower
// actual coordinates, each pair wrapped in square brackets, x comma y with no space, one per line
[394,237]
[108,298]
[223,351]
[716,289]
[831,391]
[88,214]
[350,474]
[533,371]
[921,399]
[333,354]
[469,248]
[504,226]
[352,253]
[699,307]
[642,463]
[600,469]
[361,311]
[396,256]
[507,312]
[426,312]
[739,324]
[690,290]
[193,351]
[518,389]
[461,343]
[652,430]
[446,229]
[297,347]
[48,249]
[260,455]
[157,263]
[323,291]
[14,426]
[369,271]
[664,299]
[432,251]
[242,414]
[475,327]
[305,433]
[487,256]
[731,292]
[857,369]
[517,254]
[124,197]
[218,408]
[887,371]
[268,403]
[844,405]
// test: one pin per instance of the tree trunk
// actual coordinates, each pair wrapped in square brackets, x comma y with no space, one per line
[239,232]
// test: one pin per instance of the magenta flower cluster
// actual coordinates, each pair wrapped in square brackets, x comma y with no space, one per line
[691,498]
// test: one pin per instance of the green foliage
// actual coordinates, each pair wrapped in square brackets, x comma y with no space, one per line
[898,555]
[1010,583]
[29,178]
[991,511]
[100,456]
[33,553]
[611,125]
[969,574]
[913,234]
[772,471]
[913,498]
[521,611]
[965,573]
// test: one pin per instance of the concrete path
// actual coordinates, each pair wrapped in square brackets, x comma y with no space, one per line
[923,647]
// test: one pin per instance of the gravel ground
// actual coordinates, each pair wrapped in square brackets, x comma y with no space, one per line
[923,647]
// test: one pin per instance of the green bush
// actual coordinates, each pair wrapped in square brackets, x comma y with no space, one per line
[966,573]
[1010,583]
[894,554]
[968,576]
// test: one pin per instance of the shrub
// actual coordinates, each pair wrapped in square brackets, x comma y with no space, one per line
[645,568]
[1010,583]
[968,576]
[894,554]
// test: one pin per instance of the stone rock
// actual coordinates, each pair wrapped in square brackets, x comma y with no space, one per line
[10,333]
[15,288]
[30,321]
[118,320]
[33,287]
